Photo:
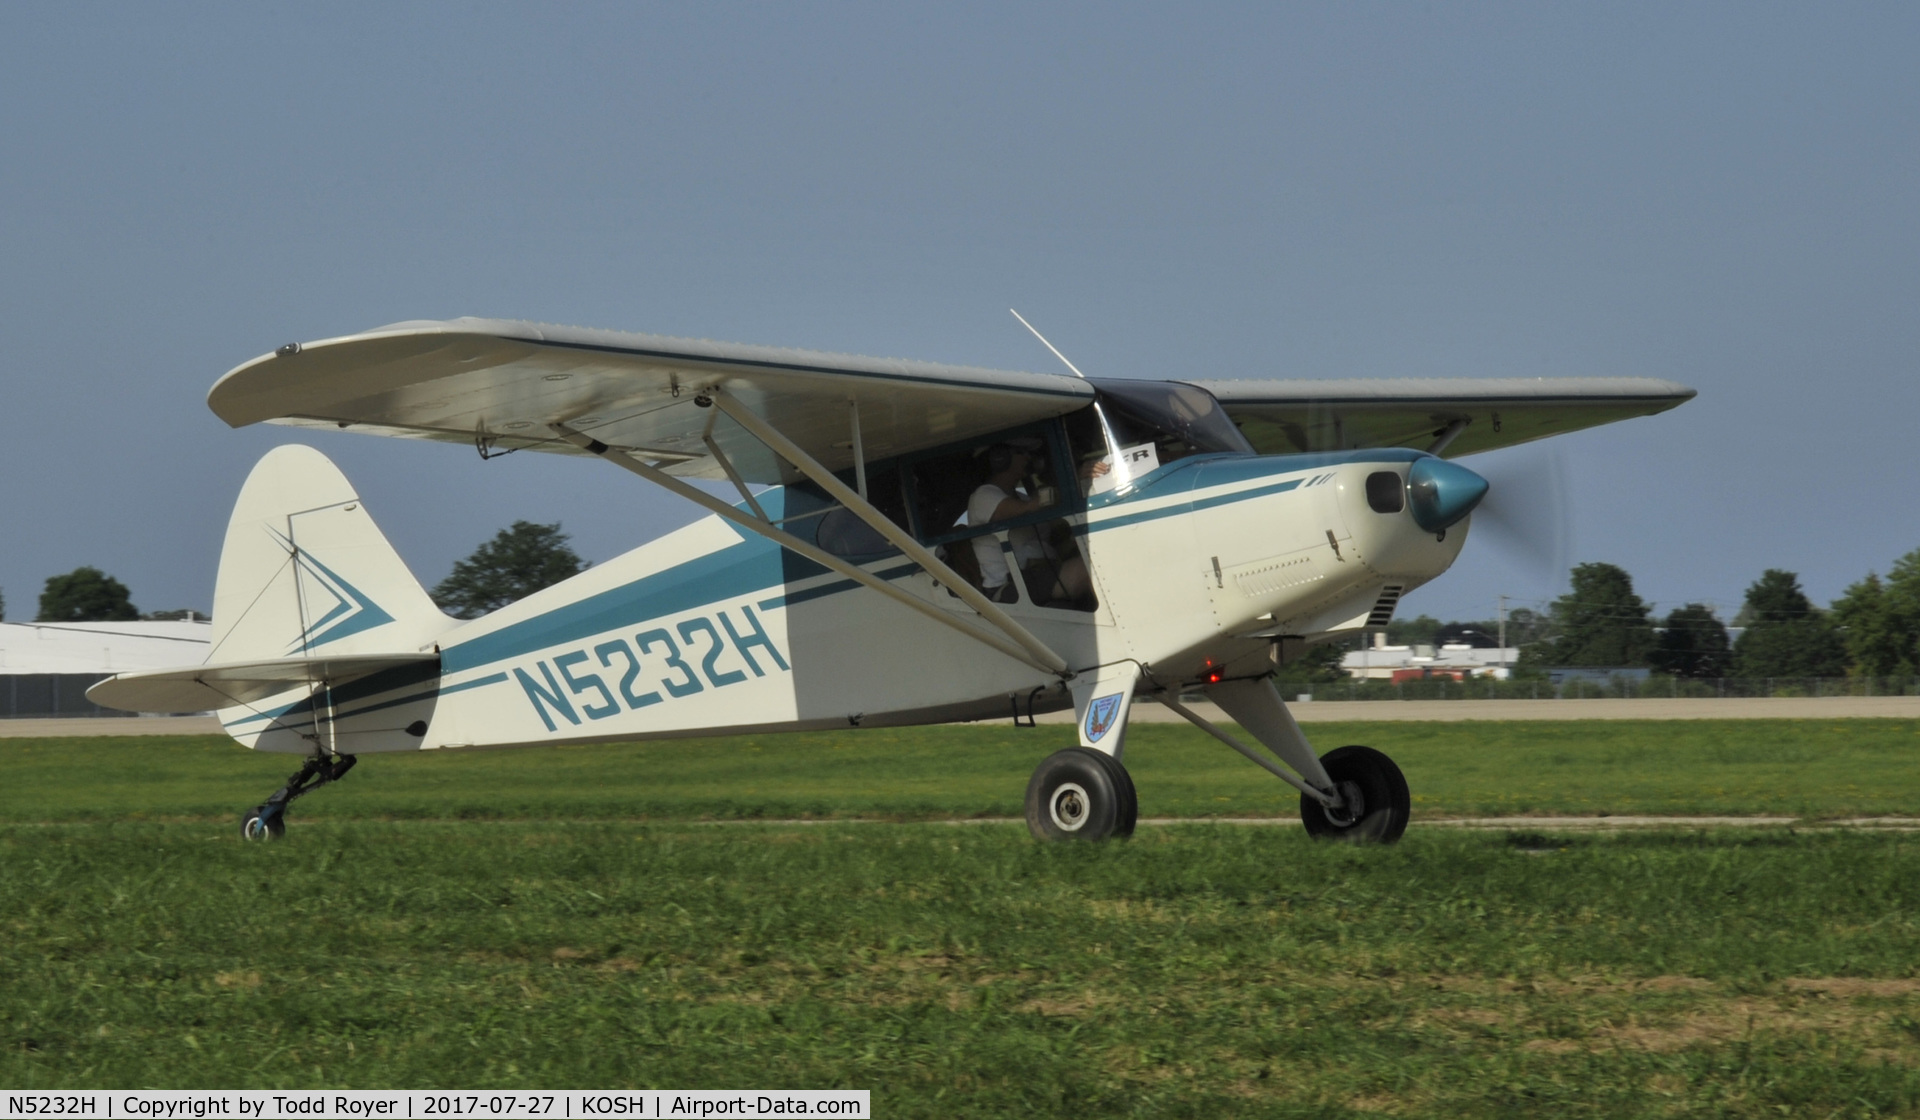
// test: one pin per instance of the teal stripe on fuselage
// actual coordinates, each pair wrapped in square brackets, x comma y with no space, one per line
[739,570]
[1198,471]
[374,684]
[477,682]
[755,565]
[1206,472]
[1188,507]
[789,598]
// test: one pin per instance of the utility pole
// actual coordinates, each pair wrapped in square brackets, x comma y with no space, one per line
[1503,631]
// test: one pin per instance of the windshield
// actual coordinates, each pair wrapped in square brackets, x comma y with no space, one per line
[1178,420]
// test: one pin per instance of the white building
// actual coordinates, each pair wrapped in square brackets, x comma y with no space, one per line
[1381,661]
[101,647]
[45,667]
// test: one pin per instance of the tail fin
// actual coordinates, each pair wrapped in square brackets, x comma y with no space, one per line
[306,573]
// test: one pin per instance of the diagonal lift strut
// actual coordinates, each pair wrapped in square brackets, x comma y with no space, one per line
[1052,663]
[895,535]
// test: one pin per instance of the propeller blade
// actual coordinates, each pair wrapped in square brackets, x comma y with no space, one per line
[1527,515]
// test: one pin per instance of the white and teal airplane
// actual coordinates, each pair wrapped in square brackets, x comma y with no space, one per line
[911,543]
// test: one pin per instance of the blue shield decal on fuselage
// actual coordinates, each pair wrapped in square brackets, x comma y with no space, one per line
[1100,715]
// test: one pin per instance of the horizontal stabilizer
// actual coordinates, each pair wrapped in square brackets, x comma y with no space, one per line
[205,688]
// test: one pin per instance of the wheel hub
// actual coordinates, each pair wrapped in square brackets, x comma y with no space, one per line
[1070,807]
[258,826]
[1353,805]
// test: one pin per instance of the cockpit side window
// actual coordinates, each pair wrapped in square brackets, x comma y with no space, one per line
[996,508]
[947,484]
[1176,420]
[812,515]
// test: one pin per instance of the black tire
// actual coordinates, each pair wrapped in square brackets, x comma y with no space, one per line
[1129,800]
[256,826]
[1370,778]
[1080,794]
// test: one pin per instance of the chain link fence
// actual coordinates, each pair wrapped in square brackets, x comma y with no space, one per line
[1617,688]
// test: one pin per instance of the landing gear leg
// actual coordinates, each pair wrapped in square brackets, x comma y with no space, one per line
[1083,792]
[1354,793]
[269,821]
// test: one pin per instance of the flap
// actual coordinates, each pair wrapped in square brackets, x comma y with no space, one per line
[207,688]
[503,382]
[1282,417]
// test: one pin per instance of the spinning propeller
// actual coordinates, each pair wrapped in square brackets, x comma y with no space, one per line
[1526,515]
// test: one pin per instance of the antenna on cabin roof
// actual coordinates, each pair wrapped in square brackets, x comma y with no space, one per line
[1119,473]
[1048,345]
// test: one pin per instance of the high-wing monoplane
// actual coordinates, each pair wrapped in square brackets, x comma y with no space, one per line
[903,543]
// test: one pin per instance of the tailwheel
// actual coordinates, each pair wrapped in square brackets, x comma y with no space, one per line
[269,821]
[1081,794]
[263,822]
[1374,805]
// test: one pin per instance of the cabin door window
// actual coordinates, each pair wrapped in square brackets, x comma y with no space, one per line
[996,510]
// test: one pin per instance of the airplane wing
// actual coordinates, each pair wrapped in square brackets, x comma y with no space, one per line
[206,688]
[1289,416]
[499,384]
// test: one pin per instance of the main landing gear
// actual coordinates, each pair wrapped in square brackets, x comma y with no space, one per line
[1353,793]
[1374,805]
[1081,794]
[269,821]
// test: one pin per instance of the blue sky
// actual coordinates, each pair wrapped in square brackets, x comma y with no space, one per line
[1722,195]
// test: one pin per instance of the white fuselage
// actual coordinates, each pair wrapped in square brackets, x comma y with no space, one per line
[1198,569]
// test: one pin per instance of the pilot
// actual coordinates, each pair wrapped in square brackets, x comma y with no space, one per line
[999,498]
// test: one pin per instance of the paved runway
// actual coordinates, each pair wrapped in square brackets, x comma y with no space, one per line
[1320,711]
[1422,711]
[125,725]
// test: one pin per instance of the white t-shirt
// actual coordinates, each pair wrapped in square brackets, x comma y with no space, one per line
[1027,545]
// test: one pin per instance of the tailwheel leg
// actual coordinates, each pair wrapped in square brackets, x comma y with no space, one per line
[269,821]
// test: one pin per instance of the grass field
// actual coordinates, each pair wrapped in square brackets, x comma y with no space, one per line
[1824,768]
[1196,970]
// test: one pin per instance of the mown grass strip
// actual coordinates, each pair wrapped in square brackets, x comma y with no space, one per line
[1802,768]
[1193,971]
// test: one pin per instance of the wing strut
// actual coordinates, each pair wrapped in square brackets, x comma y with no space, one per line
[859,448]
[726,464]
[1445,436]
[895,535]
[812,552]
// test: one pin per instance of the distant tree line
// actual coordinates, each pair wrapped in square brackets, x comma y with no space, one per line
[519,560]
[1873,630]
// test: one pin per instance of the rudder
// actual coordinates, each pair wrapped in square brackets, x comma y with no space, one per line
[305,572]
